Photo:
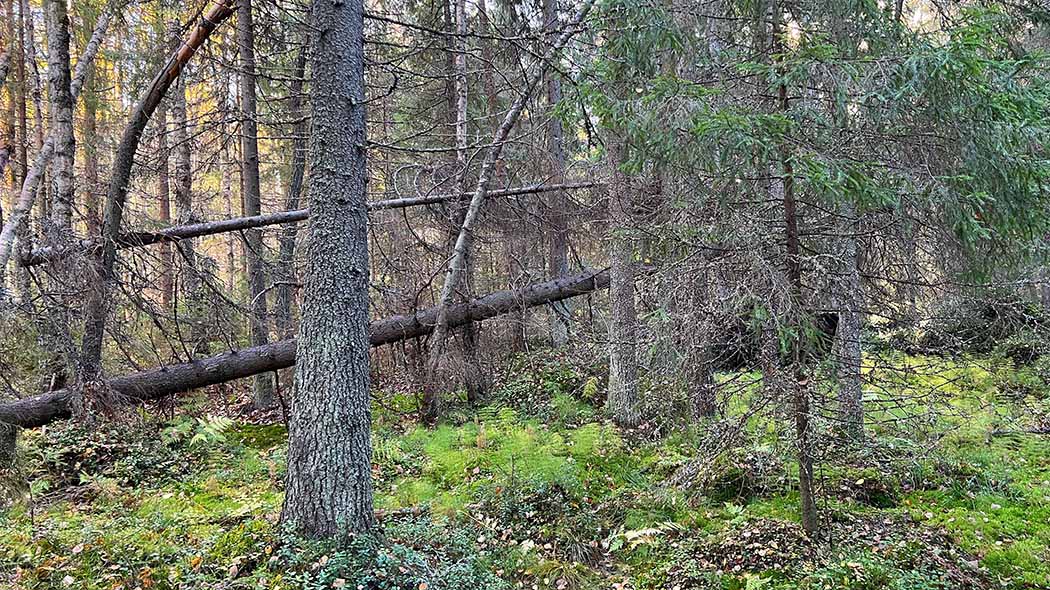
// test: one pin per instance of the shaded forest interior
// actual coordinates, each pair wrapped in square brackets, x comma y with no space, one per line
[629,294]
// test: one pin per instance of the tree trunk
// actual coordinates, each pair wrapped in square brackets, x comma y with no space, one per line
[59,82]
[558,256]
[848,332]
[164,205]
[329,483]
[473,375]
[191,292]
[622,402]
[282,306]
[257,322]
[800,384]
[90,148]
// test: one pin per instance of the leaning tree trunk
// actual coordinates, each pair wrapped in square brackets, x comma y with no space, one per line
[257,322]
[96,305]
[329,484]
[622,402]
[457,266]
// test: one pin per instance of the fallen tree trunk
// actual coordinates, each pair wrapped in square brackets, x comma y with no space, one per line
[43,409]
[196,230]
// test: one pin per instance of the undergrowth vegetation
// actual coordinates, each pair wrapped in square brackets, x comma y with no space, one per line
[535,490]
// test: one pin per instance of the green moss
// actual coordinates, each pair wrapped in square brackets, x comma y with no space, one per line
[261,436]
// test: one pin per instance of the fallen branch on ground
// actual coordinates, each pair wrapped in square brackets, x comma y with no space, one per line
[43,409]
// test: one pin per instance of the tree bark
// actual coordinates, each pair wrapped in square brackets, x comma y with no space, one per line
[60,93]
[258,324]
[457,267]
[164,206]
[282,306]
[329,483]
[43,409]
[622,402]
[558,256]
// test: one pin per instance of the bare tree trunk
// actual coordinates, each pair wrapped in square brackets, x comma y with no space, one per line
[55,331]
[800,385]
[9,47]
[473,376]
[191,292]
[622,402]
[848,332]
[558,257]
[59,83]
[254,247]
[90,147]
[12,227]
[329,483]
[457,267]
[226,189]
[164,205]
[282,306]
[36,90]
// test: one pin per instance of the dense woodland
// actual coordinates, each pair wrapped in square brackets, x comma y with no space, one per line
[493,294]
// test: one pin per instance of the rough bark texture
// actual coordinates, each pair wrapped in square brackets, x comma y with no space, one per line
[60,93]
[257,321]
[329,483]
[622,402]
[39,410]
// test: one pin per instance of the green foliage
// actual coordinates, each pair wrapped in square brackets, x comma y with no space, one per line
[411,555]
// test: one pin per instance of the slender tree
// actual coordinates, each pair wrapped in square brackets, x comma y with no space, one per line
[252,194]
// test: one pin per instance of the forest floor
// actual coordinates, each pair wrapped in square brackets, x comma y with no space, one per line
[534,490]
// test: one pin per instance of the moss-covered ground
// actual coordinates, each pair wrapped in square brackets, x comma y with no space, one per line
[535,490]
